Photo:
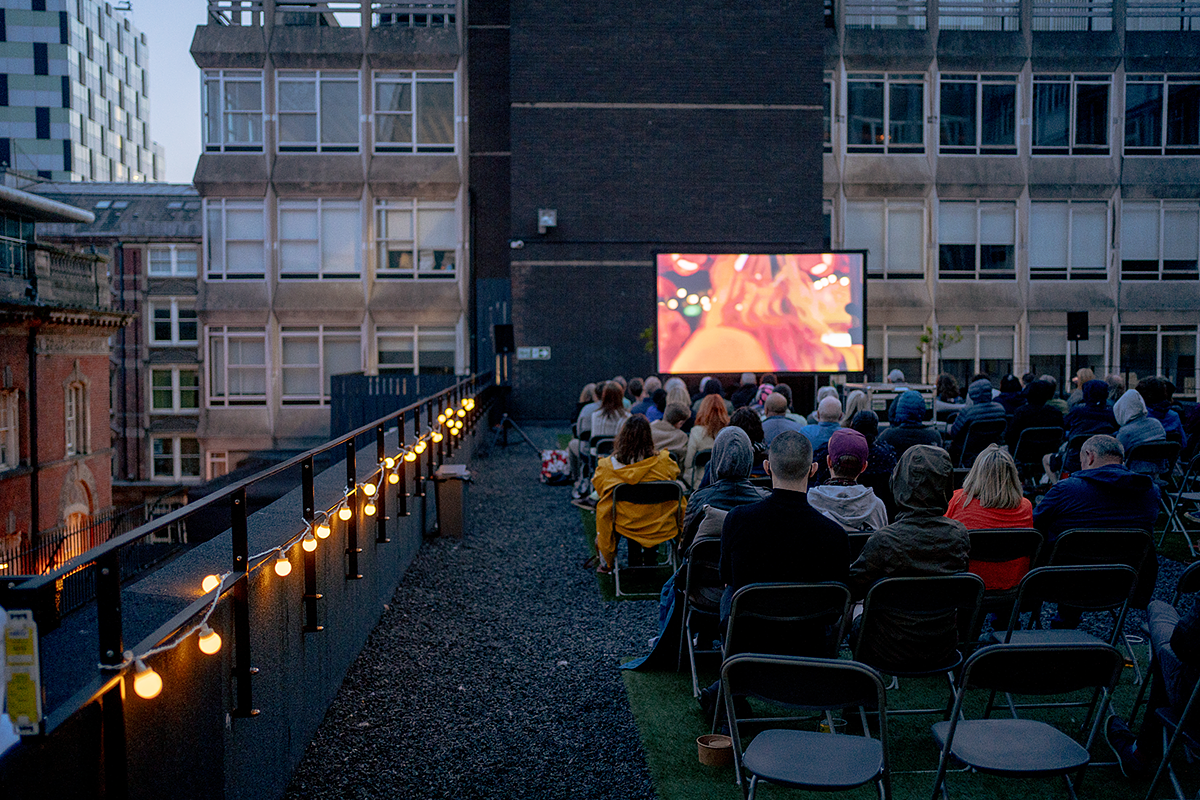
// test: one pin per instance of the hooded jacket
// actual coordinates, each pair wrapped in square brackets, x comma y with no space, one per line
[907,429]
[855,508]
[982,409]
[922,541]
[732,460]
[648,525]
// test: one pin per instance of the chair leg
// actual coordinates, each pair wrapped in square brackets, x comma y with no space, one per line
[1141,697]
[682,635]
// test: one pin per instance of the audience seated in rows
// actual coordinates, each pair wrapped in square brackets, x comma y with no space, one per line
[732,461]
[1090,416]
[841,497]
[908,426]
[633,461]
[1137,427]
[982,410]
[786,391]
[1082,376]
[1036,413]
[920,541]
[666,434]
[856,401]
[991,494]
[822,393]
[776,420]
[644,399]
[1158,393]
[658,405]
[611,415]
[710,419]
[946,397]
[1055,401]
[744,394]
[1010,394]
[829,416]
[710,386]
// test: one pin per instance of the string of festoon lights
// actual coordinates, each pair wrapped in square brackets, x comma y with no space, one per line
[148,684]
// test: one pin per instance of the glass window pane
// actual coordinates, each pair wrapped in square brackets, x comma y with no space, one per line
[1048,230]
[189,458]
[212,112]
[997,223]
[864,113]
[1091,115]
[906,114]
[185,261]
[162,391]
[297,95]
[956,223]
[906,238]
[864,231]
[164,458]
[999,124]
[1089,235]
[216,366]
[1179,362]
[396,351]
[393,97]
[1143,114]
[244,223]
[1051,114]
[339,112]
[1183,115]
[187,324]
[342,355]
[189,389]
[435,113]
[393,128]
[341,238]
[215,255]
[397,224]
[162,324]
[246,258]
[243,96]
[1138,356]
[958,114]
[1139,232]
[436,352]
[297,127]
[160,261]
[1179,234]
[437,229]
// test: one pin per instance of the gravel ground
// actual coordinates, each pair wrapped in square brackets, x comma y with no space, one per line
[493,672]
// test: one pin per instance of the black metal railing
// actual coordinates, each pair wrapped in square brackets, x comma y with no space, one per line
[411,443]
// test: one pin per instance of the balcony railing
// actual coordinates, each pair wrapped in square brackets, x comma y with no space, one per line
[236,12]
[1072,15]
[1158,15]
[886,14]
[979,15]
[334,13]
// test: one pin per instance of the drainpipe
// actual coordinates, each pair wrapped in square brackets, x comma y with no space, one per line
[32,393]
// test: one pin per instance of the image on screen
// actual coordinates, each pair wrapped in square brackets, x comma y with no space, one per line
[760,312]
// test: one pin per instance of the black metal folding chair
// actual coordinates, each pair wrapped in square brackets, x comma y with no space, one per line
[702,589]
[647,493]
[791,619]
[979,434]
[807,759]
[1002,556]
[1025,747]
[939,608]
[857,541]
[1032,444]
[1175,728]
[1189,583]
[699,462]
[1183,506]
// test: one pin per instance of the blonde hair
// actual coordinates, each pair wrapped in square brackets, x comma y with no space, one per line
[856,401]
[679,394]
[588,394]
[993,480]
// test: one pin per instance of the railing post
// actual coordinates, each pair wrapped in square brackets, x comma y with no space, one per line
[352,548]
[401,471]
[418,481]
[381,536]
[243,696]
[431,414]
[310,558]
[112,705]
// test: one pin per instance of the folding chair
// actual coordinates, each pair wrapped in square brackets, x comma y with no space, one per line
[1001,557]
[594,453]
[923,610]
[647,493]
[790,619]
[1182,507]
[979,434]
[807,759]
[1175,725]
[1025,747]
[762,481]
[1163,453]
[857,541]
[1189,583]
[702,589]
[1032,444]
[699,462]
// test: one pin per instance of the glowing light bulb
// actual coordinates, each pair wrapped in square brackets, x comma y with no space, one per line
[437,437]
[441,418]
[469,403]
[210,641]
[454,431]
[323,531]
[681,293]
[420,447]
[410,456]
[465,401]
[462,412]
[283,567]
[309,542]
[147,684]
[393,478]
[210,582]
[389,462]
[369,509]
[344,513]
[449,410]
[369,490]
[673,303]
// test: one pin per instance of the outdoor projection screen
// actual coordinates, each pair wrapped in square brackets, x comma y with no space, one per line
[760,312]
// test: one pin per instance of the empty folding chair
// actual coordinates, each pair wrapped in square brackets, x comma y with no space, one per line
[647,493]
[1025,747]
[979,434]
[1183,505]
[702,589]
[1032,444]
[1176,727]
[806,759]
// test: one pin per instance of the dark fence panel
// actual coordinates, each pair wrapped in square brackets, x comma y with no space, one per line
[357,399]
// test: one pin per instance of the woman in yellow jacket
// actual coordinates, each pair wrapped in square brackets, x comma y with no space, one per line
[646,526]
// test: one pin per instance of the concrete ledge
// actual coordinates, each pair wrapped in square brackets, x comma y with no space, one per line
[312,302]
[317,175]
[234,302]
[316,47]
[415,302]
[229,175]
[1076,51]
[229,47]
[428,177]
[413,48]
[980,51]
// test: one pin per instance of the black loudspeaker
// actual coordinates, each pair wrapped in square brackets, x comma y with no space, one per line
[502,335]
[1077,326]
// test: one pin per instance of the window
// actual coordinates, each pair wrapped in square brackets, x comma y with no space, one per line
[172,260]
[76,413]
[892,347]
[885,113]
[978,114]
[172,323]
[312,355]
[234,244]
[1162,115]
[1070,115]
[418,350]
[415,239]
[977,240]
[175,458]
[10,436]
[1168,350]
[414,112]
[981,349]
[318,111]
[1159,241]
[827,101]
[1068,241]
[237,366]
[233,110]
[174,389]
[1051,354]
[15,236]
[893,233]
[320,239]
[218,464]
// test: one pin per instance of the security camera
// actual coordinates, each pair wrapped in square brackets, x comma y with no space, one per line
[516,244]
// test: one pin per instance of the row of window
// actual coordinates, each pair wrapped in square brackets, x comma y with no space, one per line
[318,111]
[1137,351]
[1005,15]
[976,239]
[322,239]
[978,114]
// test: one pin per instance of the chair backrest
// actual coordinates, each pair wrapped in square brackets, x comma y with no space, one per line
[788,619]
[702,458]
[702,582]
[954,598]
[647,493]
[1075,443]
[1000,546]
[1084,546]
[1034,443]
[604,446]
[1189,582]
[762,482]
[857,541]
[979,434]
[1036,669]
[595,441]
[1163,453]
[814,684]
[1086,588]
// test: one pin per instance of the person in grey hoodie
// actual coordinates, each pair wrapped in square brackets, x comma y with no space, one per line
[841,498]
[1137,427]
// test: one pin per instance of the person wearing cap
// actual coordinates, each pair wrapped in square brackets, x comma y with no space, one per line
[841,498]
[982,409]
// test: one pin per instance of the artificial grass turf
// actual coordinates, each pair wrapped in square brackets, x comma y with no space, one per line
[636,585]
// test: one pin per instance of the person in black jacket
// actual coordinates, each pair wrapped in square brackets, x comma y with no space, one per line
[1034,414]
[982,409]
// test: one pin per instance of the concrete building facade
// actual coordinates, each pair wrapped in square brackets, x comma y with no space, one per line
[74,95]
[333,181]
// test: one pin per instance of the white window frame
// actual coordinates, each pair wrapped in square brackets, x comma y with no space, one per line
[888,79]
[413,80]
[216,464]
[220,336]
[321,333]
[979,272]
[176,388]
[1163,208]
[1073,148]
[176,307]
[176,475]
[216,247]
[1160,332]
[222,77]
[415,207]
[76,418]
[829,85]
[878,266]
[173,251]
[1095,333]
[10,429]
[1164,148]
[972,335]
[318,207]
[886,332]
[1069,271]
[318,77]
[415,331]
[979,81]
